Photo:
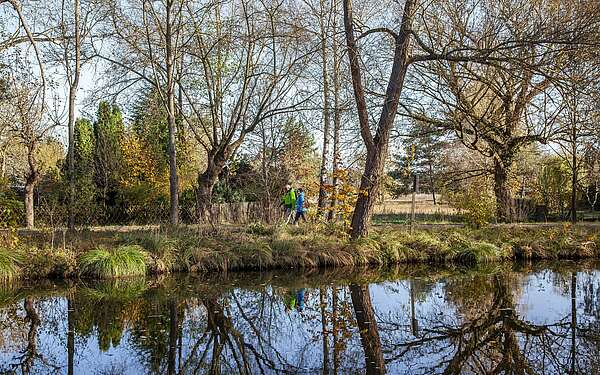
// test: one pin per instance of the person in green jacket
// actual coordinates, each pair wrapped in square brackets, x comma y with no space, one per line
[288,201]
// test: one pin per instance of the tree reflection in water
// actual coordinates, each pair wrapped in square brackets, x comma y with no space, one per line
[481,323]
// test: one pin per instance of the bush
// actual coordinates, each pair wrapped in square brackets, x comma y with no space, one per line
[121,262]
[478,206]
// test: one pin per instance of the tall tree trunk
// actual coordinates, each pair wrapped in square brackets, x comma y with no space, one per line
[504,201]
[70,337]
[326,119]
[573,324]
[170,65]
[574,171]
[377,146]
[367,326]
[324,333]
[335,330]
[337,116]
[73,86]
[173,332]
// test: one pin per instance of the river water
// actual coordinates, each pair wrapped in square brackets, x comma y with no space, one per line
[506,318]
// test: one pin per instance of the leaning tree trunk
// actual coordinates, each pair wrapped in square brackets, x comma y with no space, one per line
[377,145]
[369,189]
[504,201]
[367,326]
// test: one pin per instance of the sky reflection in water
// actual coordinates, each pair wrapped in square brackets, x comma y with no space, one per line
[504,319]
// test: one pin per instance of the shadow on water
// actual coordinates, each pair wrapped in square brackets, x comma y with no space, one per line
[501,319]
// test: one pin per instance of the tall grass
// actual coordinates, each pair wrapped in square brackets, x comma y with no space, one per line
[306,246]
[120,262]
[10,262]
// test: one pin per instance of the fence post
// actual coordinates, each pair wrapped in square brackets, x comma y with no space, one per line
[414,202]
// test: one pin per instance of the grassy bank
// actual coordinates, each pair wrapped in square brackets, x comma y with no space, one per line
[257,247]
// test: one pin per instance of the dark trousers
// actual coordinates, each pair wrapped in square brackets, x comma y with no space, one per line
[299,214]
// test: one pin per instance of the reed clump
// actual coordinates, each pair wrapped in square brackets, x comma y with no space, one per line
[123,261]
[10,265]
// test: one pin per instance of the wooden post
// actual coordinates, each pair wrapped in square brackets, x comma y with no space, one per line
[414,197]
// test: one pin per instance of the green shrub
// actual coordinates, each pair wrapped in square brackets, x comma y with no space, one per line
[120,262]
[477,204]
[10,262]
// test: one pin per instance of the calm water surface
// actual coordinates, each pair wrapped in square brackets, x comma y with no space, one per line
[511,318]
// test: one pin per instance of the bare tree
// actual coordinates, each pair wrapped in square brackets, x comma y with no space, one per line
[150,37]
[377,145]
[504,99]
[246,69]
[25,109]
[578,93]
[65,35]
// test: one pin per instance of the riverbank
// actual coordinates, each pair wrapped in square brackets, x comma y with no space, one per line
[258,247]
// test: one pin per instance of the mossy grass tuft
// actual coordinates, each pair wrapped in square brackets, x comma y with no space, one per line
[106,264]
[10,261]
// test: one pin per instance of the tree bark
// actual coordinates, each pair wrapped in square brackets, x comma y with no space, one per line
[73,86]
[573,324]
[173,332]
[29,212]
[70,337]
[377,146]
[574,171]
[504,200]
[206,183]
[324,332]
[32,335]
[172,123]
[30,182]
[367,326]
[326,120]
[337,117]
